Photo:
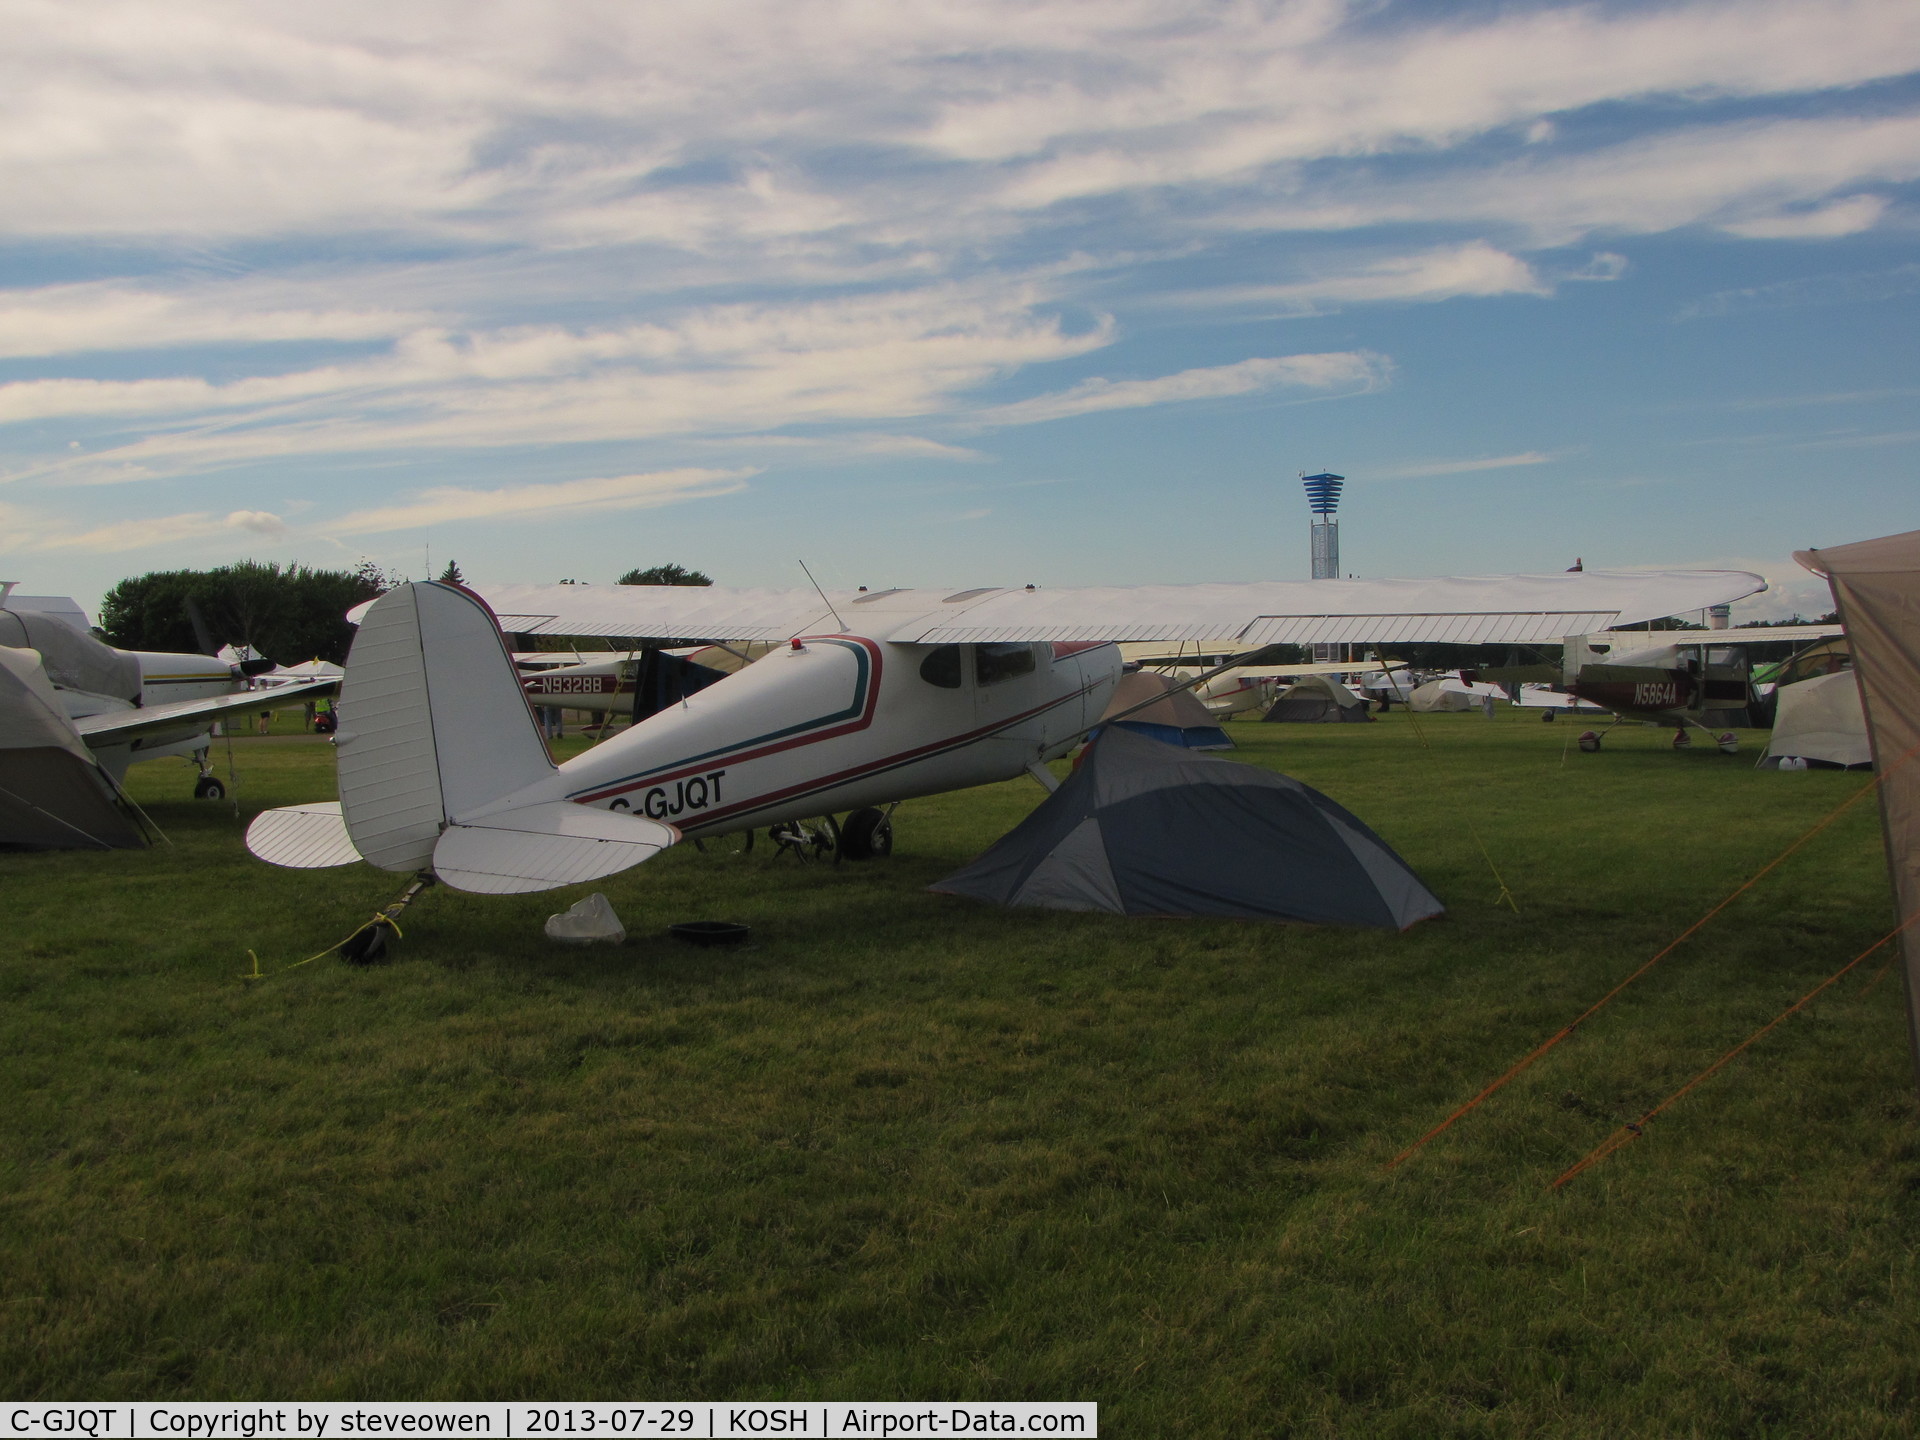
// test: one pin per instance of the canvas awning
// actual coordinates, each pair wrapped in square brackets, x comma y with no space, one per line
[1820,719]
[1876,585]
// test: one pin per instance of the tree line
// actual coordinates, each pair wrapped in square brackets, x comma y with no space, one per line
[291,613]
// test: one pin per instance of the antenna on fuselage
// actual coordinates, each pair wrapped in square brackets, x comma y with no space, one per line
[823,597]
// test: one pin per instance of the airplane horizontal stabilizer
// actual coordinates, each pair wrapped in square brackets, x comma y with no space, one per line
[302,837]
[545,846]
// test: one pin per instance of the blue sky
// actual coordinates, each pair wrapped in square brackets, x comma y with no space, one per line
[964,293]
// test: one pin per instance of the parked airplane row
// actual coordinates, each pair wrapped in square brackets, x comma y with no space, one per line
[867,699]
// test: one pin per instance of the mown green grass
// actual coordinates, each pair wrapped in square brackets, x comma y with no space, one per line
[906,1146]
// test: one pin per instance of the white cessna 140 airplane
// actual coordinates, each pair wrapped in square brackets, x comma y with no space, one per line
[870,699]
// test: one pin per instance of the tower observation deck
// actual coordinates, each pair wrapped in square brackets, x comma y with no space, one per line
[1323,498]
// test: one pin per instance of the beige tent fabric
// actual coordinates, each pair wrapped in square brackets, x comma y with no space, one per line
[1820,719]
[1449,693]
[1876,584]
[1176,708]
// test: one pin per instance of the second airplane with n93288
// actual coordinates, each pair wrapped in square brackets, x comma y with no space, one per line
[870,698]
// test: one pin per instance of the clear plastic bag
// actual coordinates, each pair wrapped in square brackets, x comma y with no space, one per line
[591,922]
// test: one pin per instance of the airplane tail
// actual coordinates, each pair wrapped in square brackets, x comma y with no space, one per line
[442,765]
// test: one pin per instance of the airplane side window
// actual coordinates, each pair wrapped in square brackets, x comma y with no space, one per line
[994,663]
[942,667]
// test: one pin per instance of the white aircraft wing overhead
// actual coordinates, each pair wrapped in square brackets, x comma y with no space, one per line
[1467,610]
[1464,610]
[114,727]
[662,612]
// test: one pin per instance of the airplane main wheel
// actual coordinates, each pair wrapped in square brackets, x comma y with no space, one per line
[867,835]
[1682,740]
[1729,743]
[208,787]
[1590,741]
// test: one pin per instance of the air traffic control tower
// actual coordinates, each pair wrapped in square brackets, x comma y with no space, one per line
[1323,495]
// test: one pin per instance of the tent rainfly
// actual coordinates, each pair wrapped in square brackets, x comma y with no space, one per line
[1175,716]
[1316,700]
[1145,828]
[1820,721]
[1876,585]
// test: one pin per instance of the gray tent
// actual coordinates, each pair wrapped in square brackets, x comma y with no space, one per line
[1316,700]
[1145,828]
[53,794]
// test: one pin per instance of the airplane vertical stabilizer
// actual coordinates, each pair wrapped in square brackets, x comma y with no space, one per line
[433,723]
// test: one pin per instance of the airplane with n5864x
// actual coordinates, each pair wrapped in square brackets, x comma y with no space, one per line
[869,698]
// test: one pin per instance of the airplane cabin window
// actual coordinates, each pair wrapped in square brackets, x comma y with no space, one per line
[994,663]
[942,667]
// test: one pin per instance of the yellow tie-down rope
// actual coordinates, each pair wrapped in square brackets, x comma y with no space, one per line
[386,917]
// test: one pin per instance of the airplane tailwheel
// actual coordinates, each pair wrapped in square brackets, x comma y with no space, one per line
[1729,743]
[1590,740]
[208,787]
[1682,740]
[867,835]
[368,946]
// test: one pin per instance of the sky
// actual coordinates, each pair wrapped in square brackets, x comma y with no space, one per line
[970,293]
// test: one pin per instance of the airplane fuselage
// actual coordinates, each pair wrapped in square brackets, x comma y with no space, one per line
[838,722]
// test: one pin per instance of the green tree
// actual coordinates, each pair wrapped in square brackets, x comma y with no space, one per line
[665,575]
[289,615]
[451,575]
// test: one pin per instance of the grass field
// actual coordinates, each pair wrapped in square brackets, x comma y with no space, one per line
[905,1146]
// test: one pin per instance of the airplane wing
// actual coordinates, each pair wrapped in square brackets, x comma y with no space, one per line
[115,727]
[661,612]
[1514,609]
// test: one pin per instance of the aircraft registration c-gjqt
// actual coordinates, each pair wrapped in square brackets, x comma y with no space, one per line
[870,699]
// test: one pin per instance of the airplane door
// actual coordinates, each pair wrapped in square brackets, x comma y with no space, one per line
[1006,681]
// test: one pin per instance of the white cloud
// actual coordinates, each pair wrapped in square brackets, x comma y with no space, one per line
[1722,175]
[1604,266]
[715,127]
[803,223]
[1475,268]
[1822,222]
[65,319]
[259,522]
[714,370]
[1425,468]
[560,499]
[1345,371]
